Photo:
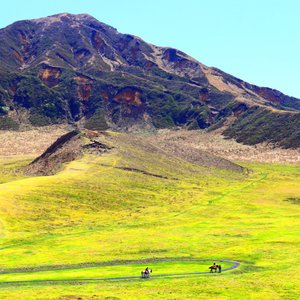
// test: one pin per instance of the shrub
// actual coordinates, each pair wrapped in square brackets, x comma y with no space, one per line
[7,123]
[97,121]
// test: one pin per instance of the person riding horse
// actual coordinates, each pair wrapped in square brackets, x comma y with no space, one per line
[146,273]
[214,267]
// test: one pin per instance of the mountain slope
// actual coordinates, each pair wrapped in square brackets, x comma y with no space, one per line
[74,144]
[75,69]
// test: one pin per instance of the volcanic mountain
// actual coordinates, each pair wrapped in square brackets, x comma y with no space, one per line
[74,69]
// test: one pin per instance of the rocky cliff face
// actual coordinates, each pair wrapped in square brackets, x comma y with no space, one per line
[75,69]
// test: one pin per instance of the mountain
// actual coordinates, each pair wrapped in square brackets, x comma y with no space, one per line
[74,69]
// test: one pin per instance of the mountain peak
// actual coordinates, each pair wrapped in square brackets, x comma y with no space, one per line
[73,68]
[64,17]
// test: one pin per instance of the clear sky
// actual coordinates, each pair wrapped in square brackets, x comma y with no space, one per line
[255,40]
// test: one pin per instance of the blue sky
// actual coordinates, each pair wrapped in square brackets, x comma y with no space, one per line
[255,40]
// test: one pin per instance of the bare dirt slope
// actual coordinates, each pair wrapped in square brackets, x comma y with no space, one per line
[184,143]
[189,141]
[74,144]
[66,148]
[31,142]
[175,150]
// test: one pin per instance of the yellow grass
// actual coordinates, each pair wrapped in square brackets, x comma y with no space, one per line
[94,212]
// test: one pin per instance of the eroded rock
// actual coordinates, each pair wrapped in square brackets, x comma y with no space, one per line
[50,75]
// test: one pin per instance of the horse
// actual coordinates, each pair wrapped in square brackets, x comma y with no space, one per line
[146,273]
[214,268]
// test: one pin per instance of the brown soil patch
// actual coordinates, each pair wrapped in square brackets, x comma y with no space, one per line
[50,76]
[129,97]
[18,56]
[66,148]
[84,87]
[215,143]
[31,142]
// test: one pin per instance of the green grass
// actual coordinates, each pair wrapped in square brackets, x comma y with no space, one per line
[119,270]
[92,212]
[9,168]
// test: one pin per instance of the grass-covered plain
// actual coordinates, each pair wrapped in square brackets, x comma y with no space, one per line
[120,270]
[94,212]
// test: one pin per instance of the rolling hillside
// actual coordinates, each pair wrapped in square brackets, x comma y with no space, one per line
[74,69]
[107,215]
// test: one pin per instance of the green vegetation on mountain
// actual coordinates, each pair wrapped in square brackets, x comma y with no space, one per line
[8,123]
[72,68]
[257,125]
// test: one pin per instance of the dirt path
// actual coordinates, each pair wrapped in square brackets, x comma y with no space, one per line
[89,280]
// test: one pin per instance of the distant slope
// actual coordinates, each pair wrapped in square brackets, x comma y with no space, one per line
[74,69]
[74,144]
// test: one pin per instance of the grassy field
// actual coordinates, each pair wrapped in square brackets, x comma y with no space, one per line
[120,270]
[93,214]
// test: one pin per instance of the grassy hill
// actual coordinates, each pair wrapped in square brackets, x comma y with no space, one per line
[99,211]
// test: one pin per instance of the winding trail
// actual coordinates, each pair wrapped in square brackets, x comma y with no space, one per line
[234,265]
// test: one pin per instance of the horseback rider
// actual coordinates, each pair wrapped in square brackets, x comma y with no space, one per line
[214,267]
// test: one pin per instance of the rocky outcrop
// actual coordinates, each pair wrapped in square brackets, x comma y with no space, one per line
[84,87]
[66,149]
